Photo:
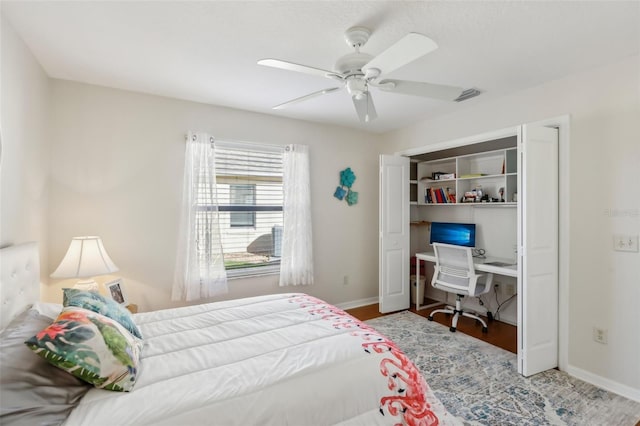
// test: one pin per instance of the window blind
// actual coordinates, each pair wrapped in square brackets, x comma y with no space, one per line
[250,197]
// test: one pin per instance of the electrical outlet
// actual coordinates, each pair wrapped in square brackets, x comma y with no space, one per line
[345,280]
[600,335]
[497,285]
[510,289]
[625,243]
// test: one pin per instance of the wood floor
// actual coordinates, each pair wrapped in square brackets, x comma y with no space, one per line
[499,334]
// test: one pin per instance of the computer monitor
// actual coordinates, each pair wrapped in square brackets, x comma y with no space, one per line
[460,234]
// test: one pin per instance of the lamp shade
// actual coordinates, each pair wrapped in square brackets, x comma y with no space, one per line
[86,257]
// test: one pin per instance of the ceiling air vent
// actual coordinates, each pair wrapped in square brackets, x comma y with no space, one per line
[467,94]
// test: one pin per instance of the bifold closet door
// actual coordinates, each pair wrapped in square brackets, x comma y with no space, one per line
[393,245]
[538,249]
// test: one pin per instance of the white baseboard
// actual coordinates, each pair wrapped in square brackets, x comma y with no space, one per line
[357,303]
[604,383]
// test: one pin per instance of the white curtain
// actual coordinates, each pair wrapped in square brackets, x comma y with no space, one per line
[199,272]
[296,265]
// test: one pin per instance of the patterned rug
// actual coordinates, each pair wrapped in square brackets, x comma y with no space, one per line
[479,383]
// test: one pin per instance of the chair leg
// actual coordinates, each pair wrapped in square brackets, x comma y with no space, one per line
[457,311]
[454,321]
[484,324]
[451,310]
[447,310]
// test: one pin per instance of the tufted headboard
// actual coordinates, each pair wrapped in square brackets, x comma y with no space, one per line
[19,280]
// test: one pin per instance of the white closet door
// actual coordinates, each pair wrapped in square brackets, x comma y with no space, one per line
[393,260]
[538,249]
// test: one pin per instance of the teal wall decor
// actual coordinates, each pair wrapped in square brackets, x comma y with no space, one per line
[347,178]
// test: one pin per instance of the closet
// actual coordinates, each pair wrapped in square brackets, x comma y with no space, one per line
[507,181]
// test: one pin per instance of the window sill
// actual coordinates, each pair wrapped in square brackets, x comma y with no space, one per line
[253,272]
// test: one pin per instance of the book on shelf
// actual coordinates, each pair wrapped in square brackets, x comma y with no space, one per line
[429,196]
[439,196]
[434,195]
[447,176]
[438,176]
[472,175]
[450,195]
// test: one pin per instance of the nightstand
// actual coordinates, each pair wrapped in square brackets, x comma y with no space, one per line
[133,308]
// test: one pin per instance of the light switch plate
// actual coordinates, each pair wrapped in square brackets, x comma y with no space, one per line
[625,243]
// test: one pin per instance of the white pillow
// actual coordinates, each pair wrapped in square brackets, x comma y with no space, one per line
[51,310]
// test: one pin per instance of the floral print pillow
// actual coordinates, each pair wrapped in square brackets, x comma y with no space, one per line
[98,303]
[90,346]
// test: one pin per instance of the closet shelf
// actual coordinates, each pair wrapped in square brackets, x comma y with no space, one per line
[491,174]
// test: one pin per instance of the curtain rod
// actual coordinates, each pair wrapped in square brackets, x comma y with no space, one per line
[258,145]
[186,138]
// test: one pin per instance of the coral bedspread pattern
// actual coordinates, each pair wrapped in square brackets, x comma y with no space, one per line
[276,359]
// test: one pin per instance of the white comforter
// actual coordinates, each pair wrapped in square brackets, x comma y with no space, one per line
[278,359]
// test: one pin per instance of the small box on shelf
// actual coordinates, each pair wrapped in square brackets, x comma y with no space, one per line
[447,176]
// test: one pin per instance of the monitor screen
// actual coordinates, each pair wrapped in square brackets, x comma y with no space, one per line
[459,234]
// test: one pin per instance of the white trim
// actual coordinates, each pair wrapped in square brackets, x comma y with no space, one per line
[250,146]
[357,303]
[233,143]
[604,383]
[256,271]
[483,137]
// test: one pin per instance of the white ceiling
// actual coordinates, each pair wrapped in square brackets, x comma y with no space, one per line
[207,51]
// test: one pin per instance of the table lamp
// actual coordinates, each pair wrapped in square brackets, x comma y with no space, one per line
[85,258]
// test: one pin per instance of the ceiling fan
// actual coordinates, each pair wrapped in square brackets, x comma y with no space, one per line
[358,72]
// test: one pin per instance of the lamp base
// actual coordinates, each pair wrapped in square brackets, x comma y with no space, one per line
[87,285]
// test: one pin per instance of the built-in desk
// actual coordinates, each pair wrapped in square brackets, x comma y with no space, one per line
[508,268]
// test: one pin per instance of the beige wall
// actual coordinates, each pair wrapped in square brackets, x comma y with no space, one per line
[603,199]
[117,169]
[24,161]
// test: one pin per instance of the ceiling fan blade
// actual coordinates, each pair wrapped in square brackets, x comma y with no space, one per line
[415,88]
[364,107]
[407,49]
[305,97]
[290,66]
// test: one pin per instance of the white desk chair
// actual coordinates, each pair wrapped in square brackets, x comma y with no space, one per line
[454,273]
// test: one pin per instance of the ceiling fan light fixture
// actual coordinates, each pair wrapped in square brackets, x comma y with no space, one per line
[357,87]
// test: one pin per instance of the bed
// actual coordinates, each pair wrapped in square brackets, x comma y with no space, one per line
[276,359]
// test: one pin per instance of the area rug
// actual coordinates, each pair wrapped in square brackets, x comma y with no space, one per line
[479,383]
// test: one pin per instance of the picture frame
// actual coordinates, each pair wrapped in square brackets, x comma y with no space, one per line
[115,291]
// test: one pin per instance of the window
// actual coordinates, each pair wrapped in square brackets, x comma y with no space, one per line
[243,196]
[250,198]
[223,180]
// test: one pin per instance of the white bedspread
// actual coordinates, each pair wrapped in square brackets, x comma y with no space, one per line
[287,359]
